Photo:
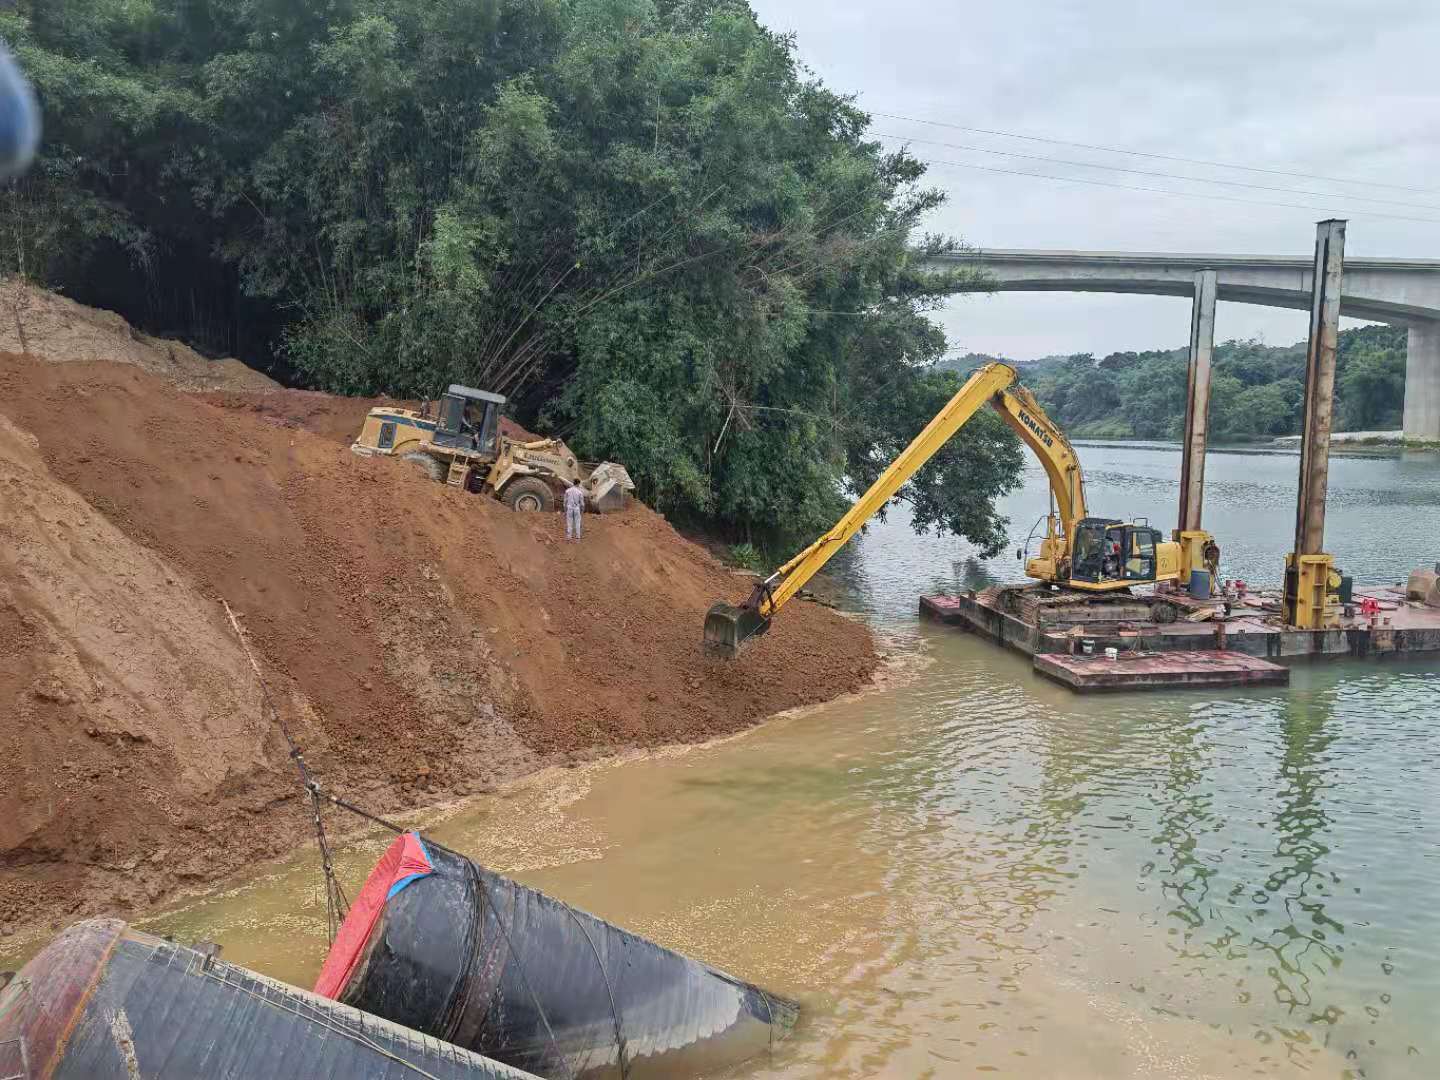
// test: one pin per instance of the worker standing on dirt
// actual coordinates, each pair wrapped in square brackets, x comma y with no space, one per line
[574,510]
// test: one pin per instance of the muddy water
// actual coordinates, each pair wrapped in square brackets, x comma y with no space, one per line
[973,871]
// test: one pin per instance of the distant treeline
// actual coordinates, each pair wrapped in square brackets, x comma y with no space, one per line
[1257,390]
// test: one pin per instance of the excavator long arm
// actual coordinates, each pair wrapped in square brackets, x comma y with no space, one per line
[1019,409]
[727,628]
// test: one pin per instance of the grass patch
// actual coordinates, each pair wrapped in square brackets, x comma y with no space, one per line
[746,557]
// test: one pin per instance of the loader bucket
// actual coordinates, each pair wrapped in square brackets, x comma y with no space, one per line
[728,629]
[609,487]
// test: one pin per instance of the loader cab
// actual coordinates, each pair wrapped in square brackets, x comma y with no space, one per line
[469,420]
[1114,553]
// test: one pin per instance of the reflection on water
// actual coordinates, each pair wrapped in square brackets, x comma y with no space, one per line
[975,871]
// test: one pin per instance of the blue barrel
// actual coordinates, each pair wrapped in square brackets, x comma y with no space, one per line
[1200,584]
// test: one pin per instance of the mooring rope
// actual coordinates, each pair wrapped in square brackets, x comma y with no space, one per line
[614,1008]
[465,980]
[337,906]
[770,1013]
[357,811]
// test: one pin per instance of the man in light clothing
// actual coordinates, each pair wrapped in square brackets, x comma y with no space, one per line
[574,508]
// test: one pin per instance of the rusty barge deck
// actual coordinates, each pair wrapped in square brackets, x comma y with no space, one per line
[1185,653]
[1161,671]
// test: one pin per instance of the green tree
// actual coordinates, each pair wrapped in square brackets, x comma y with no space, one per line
[640,219]
[1257,390]
[1372,390]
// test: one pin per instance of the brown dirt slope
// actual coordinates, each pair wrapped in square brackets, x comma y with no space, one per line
[424,642]
[127,701]
[53,327]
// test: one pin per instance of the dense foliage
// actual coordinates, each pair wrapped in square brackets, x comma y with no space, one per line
[1257,391]
[638,218]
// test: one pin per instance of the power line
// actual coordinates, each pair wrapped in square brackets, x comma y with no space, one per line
[1177,194]
[1165,175]
[1156,157]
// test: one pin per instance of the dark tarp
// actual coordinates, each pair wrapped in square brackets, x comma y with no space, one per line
[476,959]
[102,1002]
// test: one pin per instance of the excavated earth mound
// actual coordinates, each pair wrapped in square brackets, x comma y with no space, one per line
[422,642]
[44,324]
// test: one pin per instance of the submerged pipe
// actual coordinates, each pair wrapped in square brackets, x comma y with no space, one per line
[104,1001]
[438,943]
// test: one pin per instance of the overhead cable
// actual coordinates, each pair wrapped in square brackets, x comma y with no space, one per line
[1163,175]
[1180,194]
[1154,156]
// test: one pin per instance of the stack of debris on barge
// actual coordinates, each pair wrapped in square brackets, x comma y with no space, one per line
[449,948]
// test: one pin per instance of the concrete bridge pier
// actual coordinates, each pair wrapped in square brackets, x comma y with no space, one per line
[1197,404]
[1422,382]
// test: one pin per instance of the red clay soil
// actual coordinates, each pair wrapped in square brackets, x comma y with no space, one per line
[423,642]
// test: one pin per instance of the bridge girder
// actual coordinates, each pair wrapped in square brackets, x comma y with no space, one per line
[1402,292]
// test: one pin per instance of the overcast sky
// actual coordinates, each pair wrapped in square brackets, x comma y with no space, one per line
[1336,88]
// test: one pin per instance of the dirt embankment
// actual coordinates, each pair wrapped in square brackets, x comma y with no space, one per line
[424,643]
[52,327]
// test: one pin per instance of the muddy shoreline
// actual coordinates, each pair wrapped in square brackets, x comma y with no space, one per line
[895,667]
[423,644]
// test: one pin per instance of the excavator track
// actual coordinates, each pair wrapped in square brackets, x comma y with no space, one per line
[1040,605]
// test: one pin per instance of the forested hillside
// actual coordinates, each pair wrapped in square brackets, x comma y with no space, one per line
[641,219]
[1257,390]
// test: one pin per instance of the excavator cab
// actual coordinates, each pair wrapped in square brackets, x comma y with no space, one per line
[469,420]
[1113,554]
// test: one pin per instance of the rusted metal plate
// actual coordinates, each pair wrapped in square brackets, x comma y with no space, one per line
[1161,671]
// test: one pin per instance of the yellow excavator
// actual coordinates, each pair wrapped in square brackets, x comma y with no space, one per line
[1079,554]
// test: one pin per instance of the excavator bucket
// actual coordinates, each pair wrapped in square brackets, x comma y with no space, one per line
[728,629]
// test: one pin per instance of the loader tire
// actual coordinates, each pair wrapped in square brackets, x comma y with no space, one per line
[529,494]
[435,469]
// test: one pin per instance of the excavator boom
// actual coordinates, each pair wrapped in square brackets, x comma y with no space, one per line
[1079,552]
[1019,409]
[728,628]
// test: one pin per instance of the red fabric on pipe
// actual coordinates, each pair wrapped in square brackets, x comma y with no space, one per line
[404,861]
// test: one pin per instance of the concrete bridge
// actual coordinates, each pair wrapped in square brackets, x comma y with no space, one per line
[1403,292]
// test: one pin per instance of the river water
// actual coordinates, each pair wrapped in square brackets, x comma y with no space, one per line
[971,870]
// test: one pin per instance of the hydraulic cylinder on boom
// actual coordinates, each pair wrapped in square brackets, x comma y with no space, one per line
[1079,552]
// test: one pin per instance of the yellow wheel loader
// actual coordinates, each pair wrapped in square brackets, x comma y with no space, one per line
[461,445]
[1080,554]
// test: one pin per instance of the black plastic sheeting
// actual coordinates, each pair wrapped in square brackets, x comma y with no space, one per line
[105,1002]
[475,959]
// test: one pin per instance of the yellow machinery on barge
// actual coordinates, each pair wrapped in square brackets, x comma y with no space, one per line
[1080,553]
